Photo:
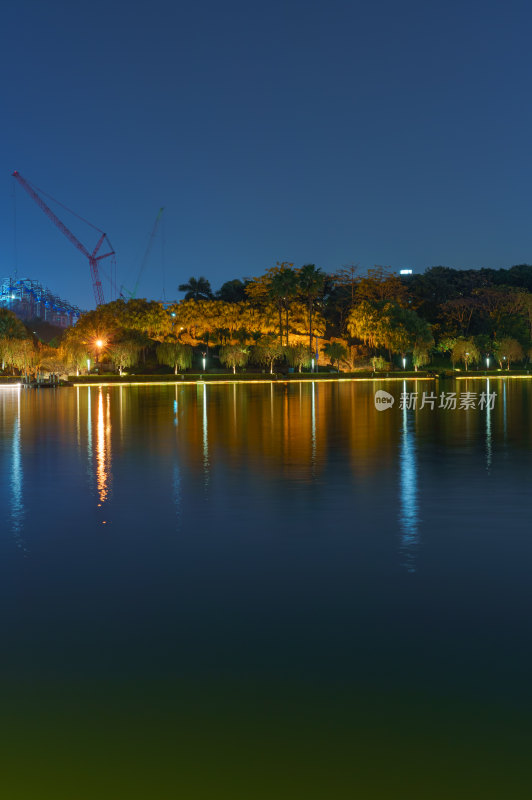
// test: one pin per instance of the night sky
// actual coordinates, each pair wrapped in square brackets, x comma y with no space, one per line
[326,132]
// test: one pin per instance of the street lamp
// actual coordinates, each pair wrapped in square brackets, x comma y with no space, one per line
[488,362]
[88,365]
[204,362]
[404,363]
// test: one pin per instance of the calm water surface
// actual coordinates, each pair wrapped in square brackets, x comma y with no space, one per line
[265,591]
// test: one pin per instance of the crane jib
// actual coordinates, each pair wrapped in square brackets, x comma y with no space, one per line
[93,260]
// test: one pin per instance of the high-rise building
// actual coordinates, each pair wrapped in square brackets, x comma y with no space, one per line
[28,299]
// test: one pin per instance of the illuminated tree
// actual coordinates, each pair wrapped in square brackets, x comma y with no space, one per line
[420,356]
[175,354]
[267,351]
[378,363]
[124,354]
[335,352]
[446,345]
[299,355]
[311,282]
[283,288]
[275,290]
[234,355]
[365,322]
[508,350]
[466,350]
[74,354]
[22,354]
[47,360]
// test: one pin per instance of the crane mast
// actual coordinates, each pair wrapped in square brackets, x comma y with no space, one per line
[92,256]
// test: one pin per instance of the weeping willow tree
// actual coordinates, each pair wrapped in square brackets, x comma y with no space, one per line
[124,354]
[175,354]
[234,355]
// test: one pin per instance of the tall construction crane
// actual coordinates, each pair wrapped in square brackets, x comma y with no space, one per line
[123,289]
[93,256]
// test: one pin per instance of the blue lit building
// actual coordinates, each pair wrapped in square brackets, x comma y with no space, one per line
[28,299]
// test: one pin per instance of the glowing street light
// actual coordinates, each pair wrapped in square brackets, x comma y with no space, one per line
[404,363]
[88,365]
[488,362]
[204,362]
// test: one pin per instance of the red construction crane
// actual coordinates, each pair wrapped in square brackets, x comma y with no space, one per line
[92,257]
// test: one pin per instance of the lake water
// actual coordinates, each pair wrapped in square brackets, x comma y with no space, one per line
[265,591]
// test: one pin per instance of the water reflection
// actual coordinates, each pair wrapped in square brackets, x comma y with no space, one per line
[408,492]
[313,427]
[504,411]
[89,429]
[103,448]
[78,423]
[205,436]
[488,428]
[17,503]
[301,450]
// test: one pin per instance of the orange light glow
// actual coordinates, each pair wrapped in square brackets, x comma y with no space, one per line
[103,451]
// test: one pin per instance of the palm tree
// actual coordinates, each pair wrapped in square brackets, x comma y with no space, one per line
[335,352]
[283,288]
[311,284]
[197,289]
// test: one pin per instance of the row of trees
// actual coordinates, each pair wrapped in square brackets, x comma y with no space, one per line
[372,308]
[21,352]
[353,318]
[469,351]
[266,352]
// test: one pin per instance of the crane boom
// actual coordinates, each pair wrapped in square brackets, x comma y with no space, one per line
[148,248]
[92,257]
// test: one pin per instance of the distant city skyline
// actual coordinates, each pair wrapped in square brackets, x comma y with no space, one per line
[331,134]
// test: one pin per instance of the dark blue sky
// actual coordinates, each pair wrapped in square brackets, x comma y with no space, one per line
[326,132]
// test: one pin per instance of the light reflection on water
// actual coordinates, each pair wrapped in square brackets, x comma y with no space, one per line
[17,503]
[301,433]
[205,431]
[101,471]
[488,429]
[408,490]
[272,534]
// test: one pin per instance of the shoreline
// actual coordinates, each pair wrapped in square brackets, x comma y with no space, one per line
[149,380]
